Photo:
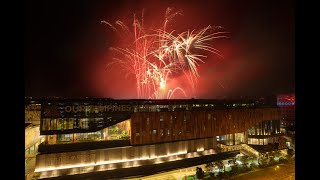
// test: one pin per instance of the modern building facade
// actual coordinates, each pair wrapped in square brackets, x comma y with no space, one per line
[144,132]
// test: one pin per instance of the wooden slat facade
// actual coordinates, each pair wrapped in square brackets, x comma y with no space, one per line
[183,125]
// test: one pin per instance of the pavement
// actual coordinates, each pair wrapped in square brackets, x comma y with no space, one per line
[277,172]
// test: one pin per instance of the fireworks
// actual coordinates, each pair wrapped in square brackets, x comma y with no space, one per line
[155,55]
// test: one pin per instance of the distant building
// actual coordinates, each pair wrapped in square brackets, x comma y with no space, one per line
[286,102]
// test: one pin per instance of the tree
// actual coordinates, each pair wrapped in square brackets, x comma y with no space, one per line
[220,165]
[290,153]
[114,129]
[200,173]
[124,136]
[235,170]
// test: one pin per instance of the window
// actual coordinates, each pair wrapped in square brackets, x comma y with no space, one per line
[209,116]
[71,123]
[65,123]
[59,124]
[174,119]
[64,137]
[161,118]
[184,118]
[161,132]
[137,134]
[84,124]
[46,124]
[147,120]
[53,124]
[180,131]
[154,131]
[168,132]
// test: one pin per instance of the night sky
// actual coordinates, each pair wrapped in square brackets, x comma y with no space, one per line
[66,46]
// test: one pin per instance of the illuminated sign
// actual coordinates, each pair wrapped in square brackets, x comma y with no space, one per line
[104,108]
[285,103]
[286,100]
[68,110]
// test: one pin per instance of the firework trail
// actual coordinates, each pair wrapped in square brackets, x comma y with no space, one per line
[155,55]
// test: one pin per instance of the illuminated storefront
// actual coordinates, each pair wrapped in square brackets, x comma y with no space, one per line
[119,131]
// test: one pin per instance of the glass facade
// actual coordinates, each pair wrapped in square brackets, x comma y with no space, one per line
[263,141]
[57,124]
[232,139]
[115,132]
[271,127]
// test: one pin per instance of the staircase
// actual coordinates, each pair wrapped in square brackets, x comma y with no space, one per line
[249,151]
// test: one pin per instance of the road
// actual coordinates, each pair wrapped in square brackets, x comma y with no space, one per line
[282,172]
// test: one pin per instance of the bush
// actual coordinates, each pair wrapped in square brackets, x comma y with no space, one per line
[200,173]
[254,166]
[283,160]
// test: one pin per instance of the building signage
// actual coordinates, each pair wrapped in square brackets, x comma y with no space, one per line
[55,110]
[100,108]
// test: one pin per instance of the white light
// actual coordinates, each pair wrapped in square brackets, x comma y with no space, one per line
[239,162]
[106,162]
[158,160]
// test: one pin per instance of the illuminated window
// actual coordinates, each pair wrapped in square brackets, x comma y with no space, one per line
[59,124]
[45,124]
[64,137]
[154,131]
[209,116]
[168,132]
[161,118]
[84,123]
[71,123]
[161,132]
[148,120]
[53,124]
[65,123]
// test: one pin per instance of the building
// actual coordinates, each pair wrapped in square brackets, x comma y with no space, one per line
[88,135]
[32,141]
[286,102]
